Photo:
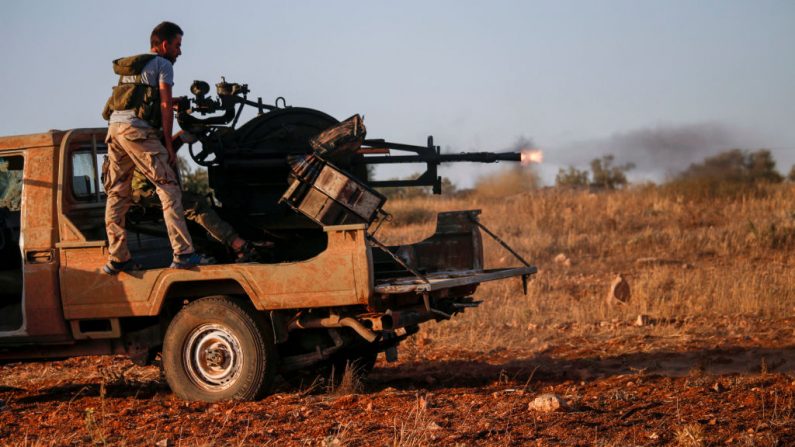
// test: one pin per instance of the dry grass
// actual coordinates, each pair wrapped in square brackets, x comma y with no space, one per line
[350,381]
[731,256]
[691,435]
[415,429]
[338,438]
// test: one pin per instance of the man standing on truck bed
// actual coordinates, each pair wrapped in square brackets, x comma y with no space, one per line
[197,209]
[140,113]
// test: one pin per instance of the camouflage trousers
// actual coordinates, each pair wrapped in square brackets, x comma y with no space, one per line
[132,148]
[197,209]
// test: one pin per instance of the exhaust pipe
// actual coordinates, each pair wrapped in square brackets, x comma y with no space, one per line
[334,321]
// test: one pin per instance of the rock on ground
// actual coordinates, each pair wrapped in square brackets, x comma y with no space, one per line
[548,403]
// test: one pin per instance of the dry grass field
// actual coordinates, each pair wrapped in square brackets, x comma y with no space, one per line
[683,258]
[703,352]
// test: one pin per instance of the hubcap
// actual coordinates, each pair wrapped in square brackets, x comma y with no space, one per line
[213,357]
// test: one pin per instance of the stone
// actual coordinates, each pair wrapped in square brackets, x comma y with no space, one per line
[165,442]
[619,292]
[642,320]
[547,403]
[331,441]
[433,426]
[562,260]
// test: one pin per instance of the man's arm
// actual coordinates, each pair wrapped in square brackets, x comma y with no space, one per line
[167,116]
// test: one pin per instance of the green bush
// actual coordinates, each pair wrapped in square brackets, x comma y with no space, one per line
[193,180]
[728,173]
[606,175]
[572,177]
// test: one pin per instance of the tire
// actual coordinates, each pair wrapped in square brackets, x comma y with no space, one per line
[217,348]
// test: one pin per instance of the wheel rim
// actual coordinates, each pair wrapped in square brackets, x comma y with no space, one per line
[213,357]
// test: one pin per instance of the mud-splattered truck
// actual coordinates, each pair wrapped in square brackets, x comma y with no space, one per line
[328,293]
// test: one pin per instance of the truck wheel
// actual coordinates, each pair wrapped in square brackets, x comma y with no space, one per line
[217,348]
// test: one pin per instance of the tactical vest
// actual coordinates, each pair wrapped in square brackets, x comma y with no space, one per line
[135,95]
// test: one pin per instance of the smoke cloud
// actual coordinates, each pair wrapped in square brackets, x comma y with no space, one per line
[522,143]
[658,151]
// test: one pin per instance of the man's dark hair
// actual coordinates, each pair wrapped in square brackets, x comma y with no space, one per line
[165,31]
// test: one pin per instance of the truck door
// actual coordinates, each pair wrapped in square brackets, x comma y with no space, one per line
[30,296]
[87,293]
[81,225]
[11,168]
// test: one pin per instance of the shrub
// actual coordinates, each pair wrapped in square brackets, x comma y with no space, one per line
[607,175]
[571,177]
[728,173]
[193,180]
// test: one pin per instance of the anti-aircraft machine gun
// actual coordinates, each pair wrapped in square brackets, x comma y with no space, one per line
[266,169]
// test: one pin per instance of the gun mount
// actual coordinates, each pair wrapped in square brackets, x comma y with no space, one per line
[250,166]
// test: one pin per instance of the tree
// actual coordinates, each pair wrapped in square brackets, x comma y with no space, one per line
[735,166]
[762,167]
[193,180]
[728,173]
[606,175]
[571,177]
[448,187]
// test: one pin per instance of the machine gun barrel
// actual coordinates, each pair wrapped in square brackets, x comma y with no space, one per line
[474,157]
[377,152]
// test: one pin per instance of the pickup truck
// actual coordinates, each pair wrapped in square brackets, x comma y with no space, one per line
[221,331]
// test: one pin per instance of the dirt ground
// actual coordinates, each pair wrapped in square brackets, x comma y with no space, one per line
[713,364]
[702,382]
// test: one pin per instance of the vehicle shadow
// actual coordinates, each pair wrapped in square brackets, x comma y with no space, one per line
[551,370]
[5,389]
[543,368]
[115,390]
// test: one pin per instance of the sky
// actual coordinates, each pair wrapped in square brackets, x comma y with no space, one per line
[661,84]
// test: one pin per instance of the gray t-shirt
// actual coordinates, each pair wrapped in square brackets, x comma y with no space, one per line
[157,71]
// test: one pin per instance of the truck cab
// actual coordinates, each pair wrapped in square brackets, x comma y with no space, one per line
[223,331]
